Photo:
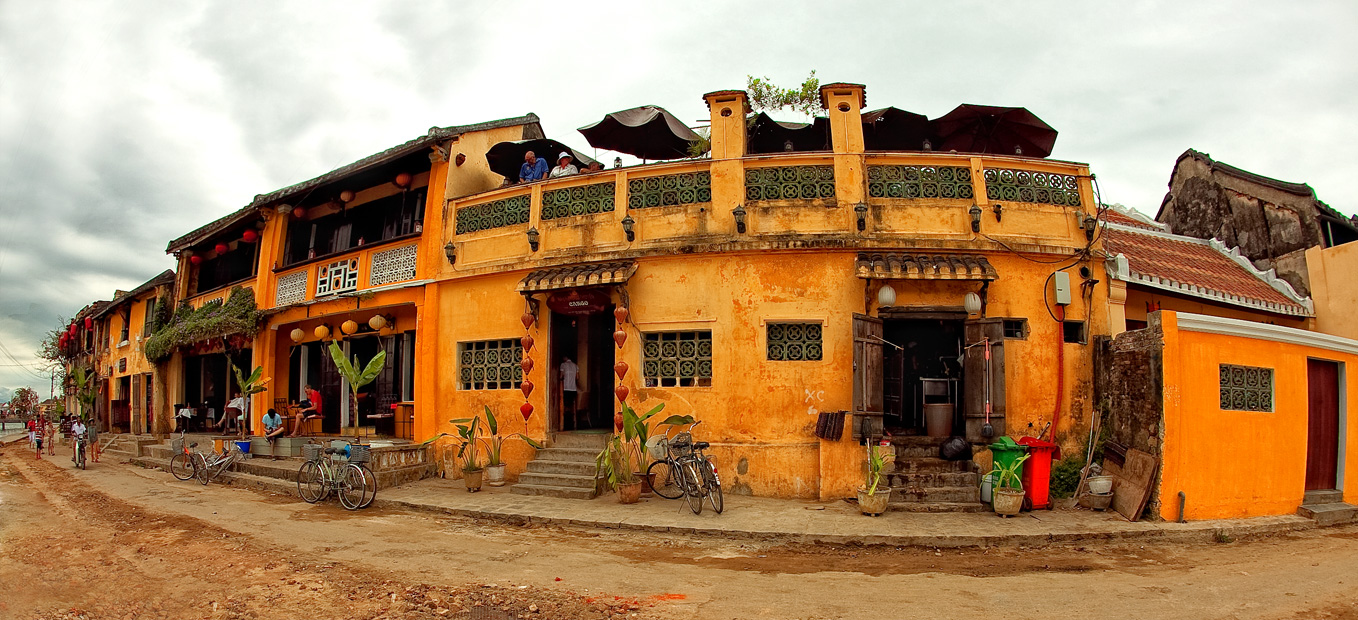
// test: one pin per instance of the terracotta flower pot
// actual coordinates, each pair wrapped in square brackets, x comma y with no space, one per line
[473,480]
[875,504]
[629,493]
[495,475]
[647,482]
[1007,502]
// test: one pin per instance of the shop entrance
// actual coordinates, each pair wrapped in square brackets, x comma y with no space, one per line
[581,356]
[922,366]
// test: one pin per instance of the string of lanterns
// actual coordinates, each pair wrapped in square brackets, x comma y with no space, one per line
[527,365]
[378,322]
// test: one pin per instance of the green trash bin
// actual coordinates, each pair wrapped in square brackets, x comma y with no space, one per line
[1006,451]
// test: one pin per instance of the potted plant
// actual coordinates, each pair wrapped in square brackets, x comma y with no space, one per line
[249,386]
[636,430]
[874,496]
[615,464]
[495,467]
[1007,496]
[469,432]
[356,374]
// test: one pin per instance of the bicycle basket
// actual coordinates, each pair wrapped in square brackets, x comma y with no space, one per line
[177,446]
[359,453]
[655,447]
[681,445]
[312,451]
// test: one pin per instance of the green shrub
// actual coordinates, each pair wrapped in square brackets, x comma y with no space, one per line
[237,316]
[1066,475]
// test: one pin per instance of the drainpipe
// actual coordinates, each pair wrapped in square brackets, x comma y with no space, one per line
[1060,366]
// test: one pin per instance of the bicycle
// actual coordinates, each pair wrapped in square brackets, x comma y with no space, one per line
[184,463]
[319,476]
[684,470]
[207,470]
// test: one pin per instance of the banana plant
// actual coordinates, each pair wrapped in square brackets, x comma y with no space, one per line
[357,378]
[636,429]
[469,432]
[85,393]
[496,442]
[1007,476]
[876,464]
[249,386]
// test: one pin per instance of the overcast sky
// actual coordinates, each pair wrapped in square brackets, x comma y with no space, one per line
[127,123]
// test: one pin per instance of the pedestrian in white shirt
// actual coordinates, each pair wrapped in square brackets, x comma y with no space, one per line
[564,167]
[569,372]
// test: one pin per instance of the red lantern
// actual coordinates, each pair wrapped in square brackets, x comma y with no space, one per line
[249,236]
[403,180]
[221,248]
[346,196]
[89,323]
[71,330]
[620,337]
[527,410]
[527,320]
[617,422]
[526,365]
[621,392]
[620,313]
[298,212]
[196,259]
[621,369]
[527,342]
[526,387]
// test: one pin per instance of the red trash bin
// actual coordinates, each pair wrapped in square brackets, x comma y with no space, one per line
[1037,472]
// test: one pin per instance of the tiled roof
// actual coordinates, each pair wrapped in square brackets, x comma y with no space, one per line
[894,266]
[593,274]
[1197,268]
[1296,189]
[1115,215]
[165,278]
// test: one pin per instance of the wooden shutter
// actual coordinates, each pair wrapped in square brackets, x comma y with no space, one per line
[867,376]
[973,378]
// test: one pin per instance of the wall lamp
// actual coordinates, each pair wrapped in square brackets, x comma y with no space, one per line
[450,251]
[627,224]
[739,212]
[999,210]
[533,237]
[975,212]
[862,210]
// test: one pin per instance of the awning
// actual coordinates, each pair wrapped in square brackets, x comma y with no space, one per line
[647,132]
[575,276]
[903,266]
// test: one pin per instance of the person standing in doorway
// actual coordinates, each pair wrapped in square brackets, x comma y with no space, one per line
[569,390]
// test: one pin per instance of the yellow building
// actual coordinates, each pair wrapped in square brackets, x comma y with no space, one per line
[124,376]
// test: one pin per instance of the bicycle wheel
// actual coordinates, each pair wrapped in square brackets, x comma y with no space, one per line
[665,477]
[80,456]
[181,466]
[200,469]
[352,487]
[712,484]
[370,488]
[310,482]
[693,486]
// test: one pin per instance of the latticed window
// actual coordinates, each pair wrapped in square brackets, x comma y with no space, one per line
[504,212]
[1246,388]
[794,342]
[681,359]
[580,200]
[669,190]
[919,182]
[789,183]
[1037,187]
[489,364]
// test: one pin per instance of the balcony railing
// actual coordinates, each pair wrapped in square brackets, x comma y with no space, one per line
[365,268]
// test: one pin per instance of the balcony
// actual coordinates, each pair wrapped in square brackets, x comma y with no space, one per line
[364,269]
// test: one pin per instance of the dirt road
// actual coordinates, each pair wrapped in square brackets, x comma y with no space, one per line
[121,542]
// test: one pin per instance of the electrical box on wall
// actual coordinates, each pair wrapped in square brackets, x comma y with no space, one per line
[1062,285]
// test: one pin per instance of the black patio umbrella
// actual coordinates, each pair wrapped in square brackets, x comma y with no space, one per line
[894,129]
[505,158]
[770,136]
[991,129]
[645,132]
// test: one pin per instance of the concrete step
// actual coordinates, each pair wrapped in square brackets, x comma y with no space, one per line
[569,468]
[941,479]
[571,455]
[932,465]
[935,494]
[557,480]
[1329,496]
[917,440]
[117,454]
[1329,514]
[552,491]
[593,441]
[940,507]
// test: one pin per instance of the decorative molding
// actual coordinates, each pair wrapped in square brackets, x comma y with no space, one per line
[338,277]
[1205,324]
[291,288]
[394,265]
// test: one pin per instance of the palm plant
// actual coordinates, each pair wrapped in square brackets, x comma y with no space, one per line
[249,386]
[876,464]
[355,377]
[1007,476]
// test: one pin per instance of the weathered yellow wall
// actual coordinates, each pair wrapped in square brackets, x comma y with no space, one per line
[1233,464]
[474,175]
[1334,288]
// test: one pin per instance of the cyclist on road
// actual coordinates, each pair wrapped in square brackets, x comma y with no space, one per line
[77,438]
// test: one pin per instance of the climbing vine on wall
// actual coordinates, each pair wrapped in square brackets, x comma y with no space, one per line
[237,317]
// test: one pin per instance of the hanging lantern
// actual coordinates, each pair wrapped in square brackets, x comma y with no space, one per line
[403,180]
[249,236]
[349,326]
[71,330]
[298,212]
[221,248]
[346,196]
[322,331]
[527,342]
[297,334]
[89,323]
[526,387]
[617,422]
[621,392]
[620,337]
[195,259]
[620,313]
[527,320]
[621,369]
[527,410]
[526,365]
[377,322]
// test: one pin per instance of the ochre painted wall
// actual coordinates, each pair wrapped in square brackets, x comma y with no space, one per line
[1233,464]
[1334,288]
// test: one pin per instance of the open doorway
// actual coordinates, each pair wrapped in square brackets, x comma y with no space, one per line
[922,366]
[581,355]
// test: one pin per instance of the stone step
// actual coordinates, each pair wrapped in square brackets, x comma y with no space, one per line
[942,479]
[557,480]
[916,452]
[935,494]
[552,491]
[932,465]
[571,455]
[1329,514]
[917,441]
[593,441]
[570,468]
[940,507]
[1329,496]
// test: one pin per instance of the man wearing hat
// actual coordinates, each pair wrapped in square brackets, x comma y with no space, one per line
[563,166]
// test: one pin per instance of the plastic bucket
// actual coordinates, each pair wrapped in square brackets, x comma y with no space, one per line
[244,446]
[987,486]
[1100,485]
[938,419]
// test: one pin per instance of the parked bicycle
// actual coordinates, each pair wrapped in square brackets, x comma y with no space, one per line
[184,463]
[333,470]
[212,464]
[682,470]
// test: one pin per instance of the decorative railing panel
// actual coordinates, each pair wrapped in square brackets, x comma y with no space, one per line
[1246,388]
[579,200]
[919,182]
[670,190]
[291,288]
[792,342]
[790,183]
[503,212]
[394,265]
[1035,187]
[340,276]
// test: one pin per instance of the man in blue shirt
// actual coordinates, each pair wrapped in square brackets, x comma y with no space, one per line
[533,169]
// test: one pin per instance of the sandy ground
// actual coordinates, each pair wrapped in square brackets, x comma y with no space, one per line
[121,542]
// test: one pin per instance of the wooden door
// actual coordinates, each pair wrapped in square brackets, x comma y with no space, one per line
[1322,437]
[868,389]
[149,415]
[976,333]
